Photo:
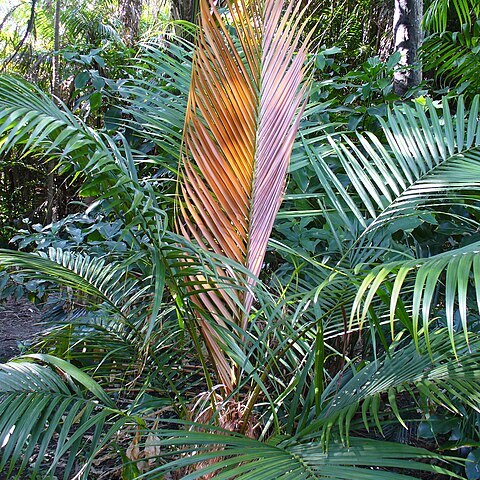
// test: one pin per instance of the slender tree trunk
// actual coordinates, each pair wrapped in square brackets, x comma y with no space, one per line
[382,28]
[407,34]
[29,29]
[185,10]
[8,15]
[56,47]
[130,12]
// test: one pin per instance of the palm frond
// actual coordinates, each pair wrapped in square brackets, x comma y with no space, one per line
[89,275]
[31,122]
[239,457]
[458,267]
[111,349]
[80,21]
[430,159]
[30,118]
[455,57]
[245,95]
[157,100]
[132,290]
[428,372]
[440,11]
[50,406]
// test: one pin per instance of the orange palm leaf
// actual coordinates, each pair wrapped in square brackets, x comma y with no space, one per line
[245,102]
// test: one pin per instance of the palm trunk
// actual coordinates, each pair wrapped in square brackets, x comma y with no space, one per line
[407,34]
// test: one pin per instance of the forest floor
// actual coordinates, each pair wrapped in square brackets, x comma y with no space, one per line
[18,325]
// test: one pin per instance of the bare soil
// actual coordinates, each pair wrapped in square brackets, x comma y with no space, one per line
[18,325]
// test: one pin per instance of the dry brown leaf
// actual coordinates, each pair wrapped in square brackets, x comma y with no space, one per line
[243,113]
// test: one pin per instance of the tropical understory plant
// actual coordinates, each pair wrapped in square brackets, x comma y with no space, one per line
[240,125]
[139,366]
[454,57]
[451,49]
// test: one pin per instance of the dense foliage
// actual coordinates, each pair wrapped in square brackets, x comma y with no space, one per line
[352,353]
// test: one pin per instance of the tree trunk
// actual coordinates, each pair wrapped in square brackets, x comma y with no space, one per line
[188,10]
[382,31]
[130,12]
[184,10]
[56,48]
[407,33]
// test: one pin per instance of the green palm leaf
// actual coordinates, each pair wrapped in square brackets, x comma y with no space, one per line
[157,100]
[428,371]
[455,57]
[48,408]
[429,159]
[457,267]
[31,122]
[90,275]
[230,456]
[439,12]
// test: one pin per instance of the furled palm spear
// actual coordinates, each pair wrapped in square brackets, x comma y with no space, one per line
[245,102]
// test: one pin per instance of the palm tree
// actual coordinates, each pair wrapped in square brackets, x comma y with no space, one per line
[121,373]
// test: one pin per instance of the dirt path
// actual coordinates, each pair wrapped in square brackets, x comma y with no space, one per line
[18,324]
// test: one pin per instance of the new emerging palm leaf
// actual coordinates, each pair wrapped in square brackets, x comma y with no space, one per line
[244,107]
[117,376]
